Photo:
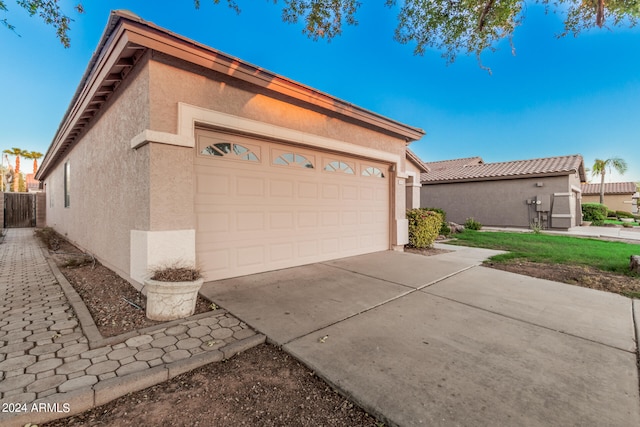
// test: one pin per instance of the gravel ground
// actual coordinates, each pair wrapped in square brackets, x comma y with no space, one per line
[263,386]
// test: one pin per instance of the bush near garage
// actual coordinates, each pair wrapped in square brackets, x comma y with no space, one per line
[594,212]
[445,230]
[424,227]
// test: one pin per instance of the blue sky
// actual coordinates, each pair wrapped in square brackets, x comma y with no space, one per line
[554,97]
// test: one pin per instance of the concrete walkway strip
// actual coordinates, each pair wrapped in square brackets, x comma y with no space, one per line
[587,313]
[407,269]
[53,361]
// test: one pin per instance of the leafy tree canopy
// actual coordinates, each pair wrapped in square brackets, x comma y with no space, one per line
[451,26]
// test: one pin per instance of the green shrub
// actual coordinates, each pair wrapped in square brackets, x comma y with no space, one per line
[594,212]
[445,230]
[611,214]
[424,227]
[624,214]
[472,224]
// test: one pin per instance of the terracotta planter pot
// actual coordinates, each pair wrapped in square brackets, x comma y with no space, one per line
[171,300]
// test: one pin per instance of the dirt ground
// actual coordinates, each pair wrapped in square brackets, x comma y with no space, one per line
[587,277]
[260,387]
[263,386]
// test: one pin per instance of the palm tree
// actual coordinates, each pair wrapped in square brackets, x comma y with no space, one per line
[35,156]
[16,152]
[600,168]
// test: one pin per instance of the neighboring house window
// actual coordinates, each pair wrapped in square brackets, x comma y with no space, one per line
[229,149]
[67,185]
[292,159]
[371,171]
[337,166]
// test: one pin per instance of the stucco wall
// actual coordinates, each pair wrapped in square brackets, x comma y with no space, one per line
[216,91]
[499,202]
[109,192]
[170,85]
[615,202]
[171,188]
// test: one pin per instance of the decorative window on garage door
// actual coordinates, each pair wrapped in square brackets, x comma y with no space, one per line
[232,150]
[339,166]
[372,171]
[292,159]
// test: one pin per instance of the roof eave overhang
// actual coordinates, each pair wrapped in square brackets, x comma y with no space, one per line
[500,178]
[161,40]
[127,37]
[413,157]
[113,60]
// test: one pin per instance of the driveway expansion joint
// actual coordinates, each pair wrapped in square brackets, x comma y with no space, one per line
[373,307]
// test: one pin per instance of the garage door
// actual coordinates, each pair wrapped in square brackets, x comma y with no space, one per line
[263,206]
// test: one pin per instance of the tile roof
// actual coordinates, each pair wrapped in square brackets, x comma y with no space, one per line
[609,188]
[32,183]
[448,164]
[548,166]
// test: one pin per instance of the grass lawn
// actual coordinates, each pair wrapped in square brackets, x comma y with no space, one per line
[618,222]
[603,255]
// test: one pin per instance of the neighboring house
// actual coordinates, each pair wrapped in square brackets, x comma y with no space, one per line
[618,196]
[33,185]
[508,194]
[173,150]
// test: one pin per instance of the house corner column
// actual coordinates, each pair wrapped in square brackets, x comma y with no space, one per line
[171,236]
[400,232]
[150,249]
[413,187]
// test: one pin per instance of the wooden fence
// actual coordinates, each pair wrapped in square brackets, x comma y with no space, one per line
[19,210]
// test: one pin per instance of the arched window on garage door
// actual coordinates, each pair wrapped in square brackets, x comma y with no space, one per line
[230,149]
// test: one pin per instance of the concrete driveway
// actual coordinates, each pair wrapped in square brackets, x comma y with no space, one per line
[441,340]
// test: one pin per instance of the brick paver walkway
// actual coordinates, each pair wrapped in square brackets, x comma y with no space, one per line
[46,357]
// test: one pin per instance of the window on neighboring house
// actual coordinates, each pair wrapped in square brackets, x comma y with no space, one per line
[67,185]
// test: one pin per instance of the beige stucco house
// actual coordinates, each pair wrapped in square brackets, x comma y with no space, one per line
[618,196]
[173,150]
[519,193]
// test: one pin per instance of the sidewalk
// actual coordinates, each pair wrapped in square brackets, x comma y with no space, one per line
[53,361]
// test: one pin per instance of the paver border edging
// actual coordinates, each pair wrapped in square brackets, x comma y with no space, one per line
[83,399]
[82,312]
[88,325]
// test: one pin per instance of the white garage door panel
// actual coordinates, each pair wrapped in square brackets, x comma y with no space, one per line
[260,207]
